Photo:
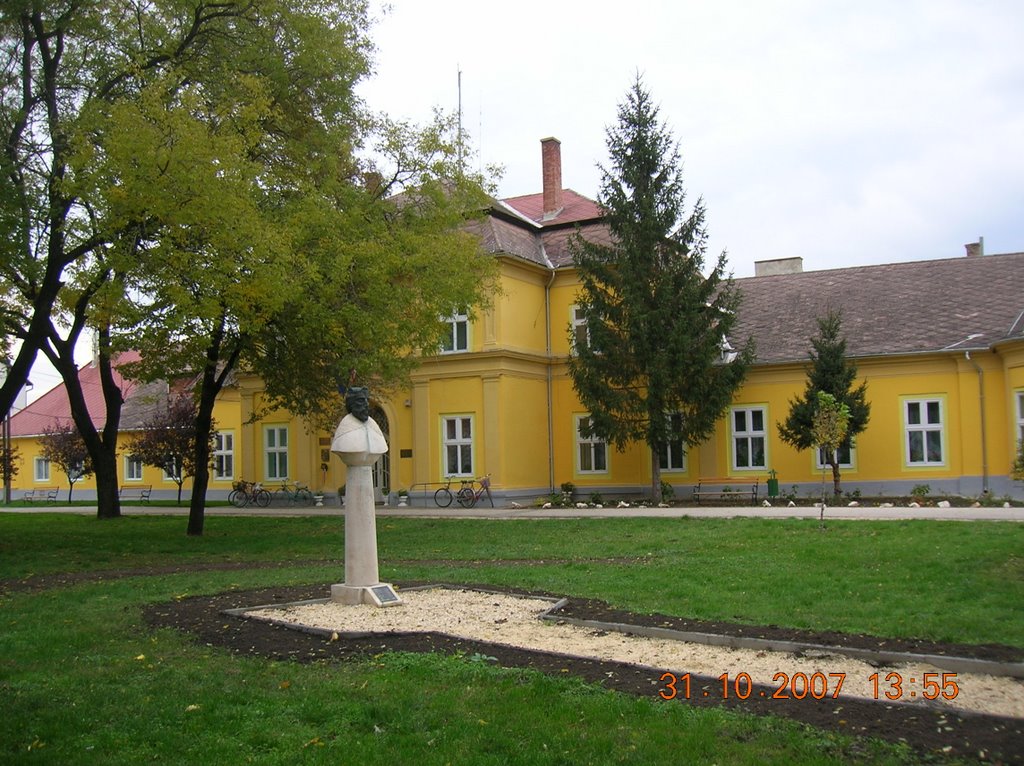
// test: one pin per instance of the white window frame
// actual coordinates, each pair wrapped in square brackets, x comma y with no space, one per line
[451,344]
[580,330]
[275,452]
[591,451]
[669,455]
[133,468]
[749,436]
[457,433]
[848,462]
[223,455]
[925,427]
[41,469]
[172,477]
[1020,418]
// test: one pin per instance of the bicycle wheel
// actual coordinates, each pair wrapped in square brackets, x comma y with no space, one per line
[238,498]
[304,497]
[467,498]
[443,497]
[262,498]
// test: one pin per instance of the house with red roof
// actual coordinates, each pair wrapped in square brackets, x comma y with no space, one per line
[939,343]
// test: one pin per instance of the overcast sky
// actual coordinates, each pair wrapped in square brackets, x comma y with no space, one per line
[847,133]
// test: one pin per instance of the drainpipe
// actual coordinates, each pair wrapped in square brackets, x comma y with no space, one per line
[981,406]
[550,382]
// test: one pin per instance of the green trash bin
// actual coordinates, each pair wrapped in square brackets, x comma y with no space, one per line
[773,485]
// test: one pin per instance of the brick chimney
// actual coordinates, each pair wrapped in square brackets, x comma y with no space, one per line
[551,157]
[975,249]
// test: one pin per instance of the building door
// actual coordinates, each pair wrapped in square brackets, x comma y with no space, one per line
[382,468]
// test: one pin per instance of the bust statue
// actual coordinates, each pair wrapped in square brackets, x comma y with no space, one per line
[357,433]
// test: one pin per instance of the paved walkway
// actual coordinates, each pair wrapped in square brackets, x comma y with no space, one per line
[863,513]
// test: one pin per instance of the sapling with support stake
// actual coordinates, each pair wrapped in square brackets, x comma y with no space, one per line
[828,429]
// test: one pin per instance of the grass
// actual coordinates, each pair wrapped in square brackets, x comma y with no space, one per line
[82,680]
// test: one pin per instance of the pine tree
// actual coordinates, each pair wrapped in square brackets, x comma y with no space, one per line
[653,364]
[831,373]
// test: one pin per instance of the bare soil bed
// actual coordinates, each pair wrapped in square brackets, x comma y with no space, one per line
[930,728]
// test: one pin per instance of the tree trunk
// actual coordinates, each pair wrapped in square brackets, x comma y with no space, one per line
[656,474]
[108,500]
[201,447]
[214,375]
[102,448]
[836,488]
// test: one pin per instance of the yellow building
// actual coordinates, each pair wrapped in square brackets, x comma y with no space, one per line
[939,343]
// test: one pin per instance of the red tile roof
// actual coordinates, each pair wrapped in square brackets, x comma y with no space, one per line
[576,208]
[54,409]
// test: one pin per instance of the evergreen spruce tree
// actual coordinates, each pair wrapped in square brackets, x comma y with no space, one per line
[653,364]
[831,373]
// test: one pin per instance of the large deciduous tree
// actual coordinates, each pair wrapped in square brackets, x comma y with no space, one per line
[184,176]
[654,364]
[832,373]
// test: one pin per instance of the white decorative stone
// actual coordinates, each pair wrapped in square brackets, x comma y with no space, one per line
[853,504]
[515,505]
[546,505]
[943,504]
[792,504]
[766,504]
[913,505]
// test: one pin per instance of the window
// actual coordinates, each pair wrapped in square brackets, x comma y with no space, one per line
[1020,417]
[673,454]
[172,472]
[844,456]
[41,466]
[580,333]
[458,445]
[275,447]
[748,438]
[923,424]
[591,451]
[224,455]
[458,334]
[132,468]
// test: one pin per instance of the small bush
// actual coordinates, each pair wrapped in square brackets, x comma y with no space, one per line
[668,492]
[920,492]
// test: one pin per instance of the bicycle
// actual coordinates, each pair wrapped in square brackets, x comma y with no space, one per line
[248,493]
[443,497]
[468,497]
[296,494]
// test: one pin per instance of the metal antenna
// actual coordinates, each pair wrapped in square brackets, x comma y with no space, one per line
[460,117]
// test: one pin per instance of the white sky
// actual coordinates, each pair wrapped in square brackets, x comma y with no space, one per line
[845,132]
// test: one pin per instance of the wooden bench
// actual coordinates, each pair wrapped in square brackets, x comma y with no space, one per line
[725,489]
[138,492]
[42,494]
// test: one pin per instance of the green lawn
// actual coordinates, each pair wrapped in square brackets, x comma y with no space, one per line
[83,680]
